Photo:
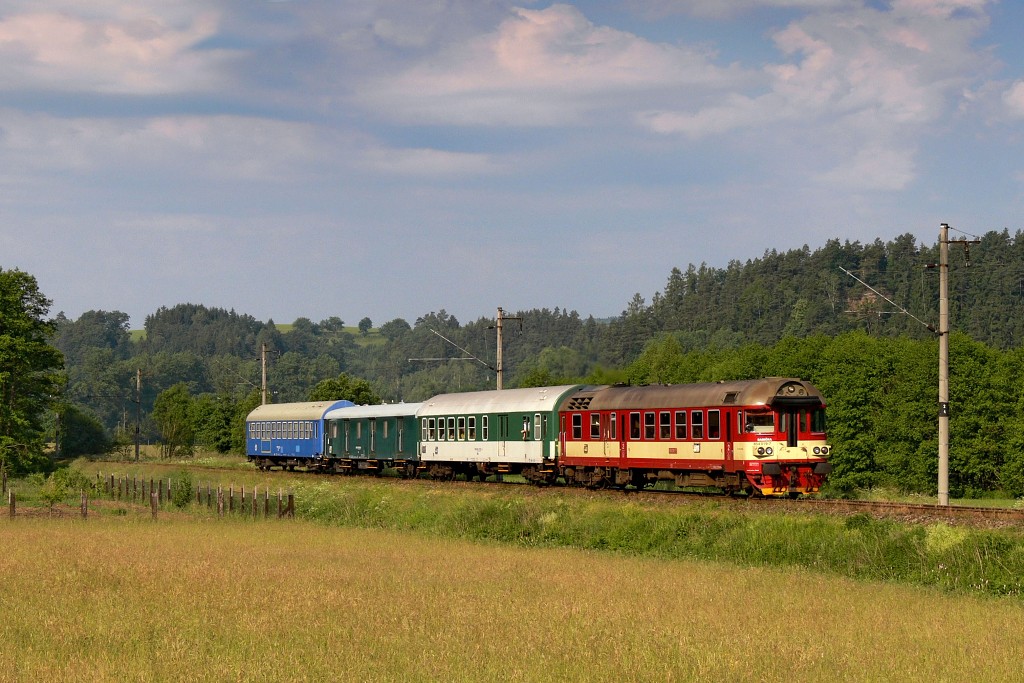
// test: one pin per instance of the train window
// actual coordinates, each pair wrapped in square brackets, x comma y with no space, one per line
[783,423]
[435,433]
[697,424]
[595,425]
[818,421]
[577,426]
[612,427]
[665,425]
[462,428]
[451,429]
[681,425]
[359,430]
[634,426]
[384,429]
[538,428]
[399,437]
[471,424]
[423,429]
[649,430]
[525,432]
[373,435]
[804,422]
[348,429]
[544,427]
[714,424]
[483,427]
[760,423]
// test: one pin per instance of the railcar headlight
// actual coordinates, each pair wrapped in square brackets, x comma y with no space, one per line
[824,450]
[769,450]
[760,451]
[817,450]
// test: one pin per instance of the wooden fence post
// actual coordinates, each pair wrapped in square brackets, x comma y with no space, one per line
[220,501]
[255,500]
[85,505]
[10,499]
[231,498]
[111,489]
[291,505]
[153,502]
[280,504]
[266,503]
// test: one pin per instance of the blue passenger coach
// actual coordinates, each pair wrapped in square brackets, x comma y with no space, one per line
[288,434]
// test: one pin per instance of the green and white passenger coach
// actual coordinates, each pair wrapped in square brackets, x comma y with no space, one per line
[483,433]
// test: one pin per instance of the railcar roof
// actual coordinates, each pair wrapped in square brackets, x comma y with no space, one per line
[529,400]
[308,410]
[382,410]
[741,393]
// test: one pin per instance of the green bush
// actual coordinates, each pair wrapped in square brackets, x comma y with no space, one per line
[182,489]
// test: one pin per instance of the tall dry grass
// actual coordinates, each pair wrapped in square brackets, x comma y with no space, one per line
[118,599]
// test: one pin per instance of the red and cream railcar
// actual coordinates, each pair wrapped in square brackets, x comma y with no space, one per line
[762,436]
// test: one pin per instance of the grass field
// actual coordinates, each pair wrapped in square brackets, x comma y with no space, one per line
[118,599]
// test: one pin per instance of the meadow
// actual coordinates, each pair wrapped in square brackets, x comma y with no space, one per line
[123,598]
[670,527]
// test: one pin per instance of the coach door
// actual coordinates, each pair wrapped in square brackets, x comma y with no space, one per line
[728,438]
[502,434]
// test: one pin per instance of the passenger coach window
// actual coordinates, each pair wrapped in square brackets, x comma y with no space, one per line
[634,426]
[451,429]
[595,425]
[665,425]
[483,427]
[714,424]
[681,425]
[577,426]
[472,428]
[462,428]
[697,424]
[538,427]
[649,425]
[612,427]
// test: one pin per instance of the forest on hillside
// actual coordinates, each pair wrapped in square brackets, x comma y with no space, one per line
[211,357]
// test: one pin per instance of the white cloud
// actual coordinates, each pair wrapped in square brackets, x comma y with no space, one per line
[1013,98]
[428,162]
[874,168]
[222,147]
[854,79]
[539,68]
[131,52]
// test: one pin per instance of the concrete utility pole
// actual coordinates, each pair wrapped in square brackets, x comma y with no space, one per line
[501,369]
[943,364]
[263,363]
[943,333]
[138,411]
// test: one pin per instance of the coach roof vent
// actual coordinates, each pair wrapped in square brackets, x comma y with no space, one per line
[579,402]
[730,397]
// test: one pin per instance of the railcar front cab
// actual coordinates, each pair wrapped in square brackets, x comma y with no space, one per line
[783,443]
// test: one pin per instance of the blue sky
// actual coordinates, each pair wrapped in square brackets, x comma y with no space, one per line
[388,159]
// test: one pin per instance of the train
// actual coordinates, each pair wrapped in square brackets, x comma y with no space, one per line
[762,437]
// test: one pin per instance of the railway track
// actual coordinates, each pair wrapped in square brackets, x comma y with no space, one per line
[921,513]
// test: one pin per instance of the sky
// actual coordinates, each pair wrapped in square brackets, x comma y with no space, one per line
[391,158]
